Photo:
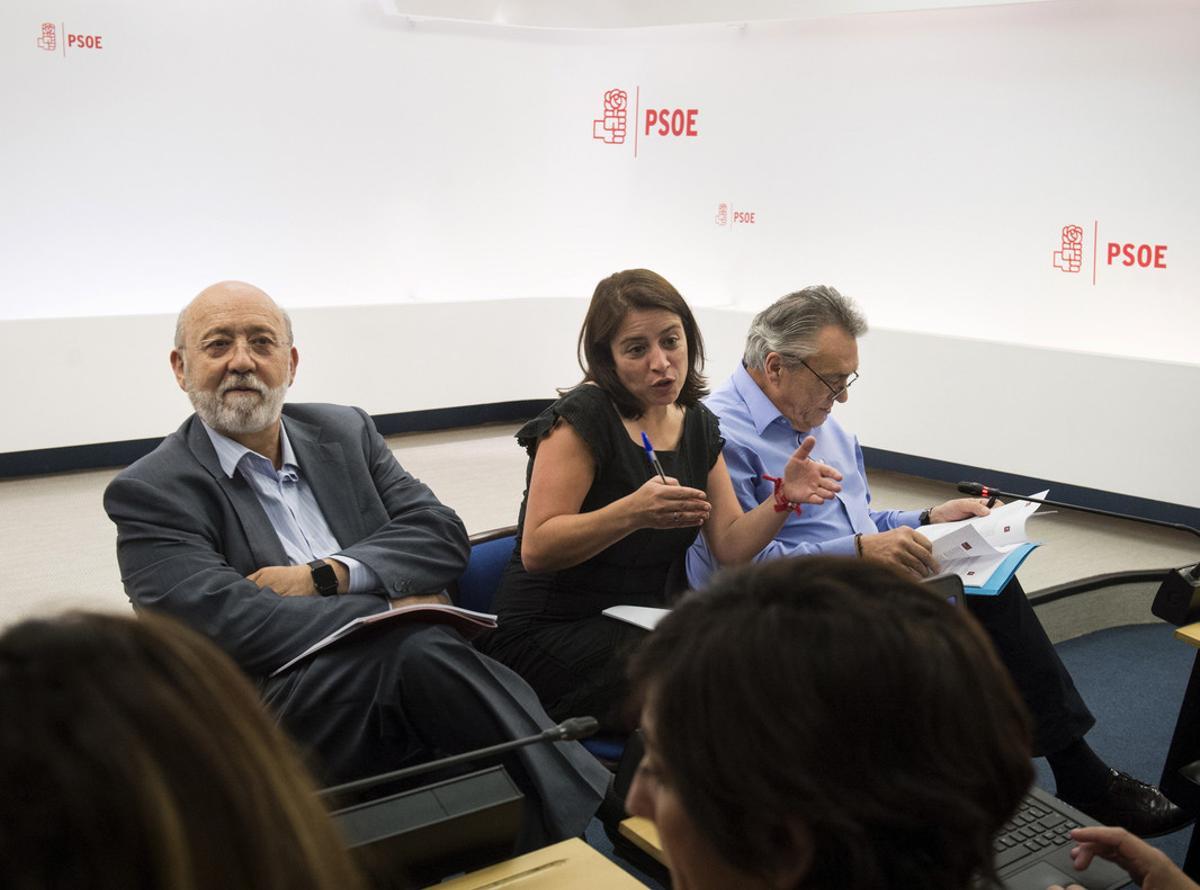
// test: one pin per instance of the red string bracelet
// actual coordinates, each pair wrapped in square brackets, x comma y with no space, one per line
[782,504]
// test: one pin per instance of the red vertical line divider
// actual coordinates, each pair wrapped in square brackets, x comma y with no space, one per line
[637,98]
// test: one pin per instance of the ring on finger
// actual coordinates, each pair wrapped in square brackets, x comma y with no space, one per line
[675,517]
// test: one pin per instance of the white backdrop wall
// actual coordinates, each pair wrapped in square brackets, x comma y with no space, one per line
[1051,414]
[382,175]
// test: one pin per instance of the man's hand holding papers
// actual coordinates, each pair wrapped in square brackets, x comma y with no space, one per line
[984,551]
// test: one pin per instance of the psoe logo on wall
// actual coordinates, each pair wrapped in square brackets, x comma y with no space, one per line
[727,216]
[658,122]
[1069,257]
[48,39]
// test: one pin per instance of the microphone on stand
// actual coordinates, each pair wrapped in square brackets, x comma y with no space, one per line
[1178,599]
[568,731]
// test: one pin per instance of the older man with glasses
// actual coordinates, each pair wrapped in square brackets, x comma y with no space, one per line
[801,358]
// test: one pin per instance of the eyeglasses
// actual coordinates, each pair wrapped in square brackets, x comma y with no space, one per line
[836,392]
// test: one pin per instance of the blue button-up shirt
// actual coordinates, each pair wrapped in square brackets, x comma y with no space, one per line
[290,505]
[759,440]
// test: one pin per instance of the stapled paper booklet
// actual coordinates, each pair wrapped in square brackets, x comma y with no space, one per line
[469,624]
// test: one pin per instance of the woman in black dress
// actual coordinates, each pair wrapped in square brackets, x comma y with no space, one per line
[598,527]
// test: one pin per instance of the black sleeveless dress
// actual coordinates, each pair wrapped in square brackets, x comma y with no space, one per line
[551,630]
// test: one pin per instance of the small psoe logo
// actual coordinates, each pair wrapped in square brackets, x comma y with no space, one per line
[49,39]
[1070,258]
[611,128]
[728,217]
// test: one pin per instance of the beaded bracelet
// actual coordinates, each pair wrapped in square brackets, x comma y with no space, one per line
[782,504]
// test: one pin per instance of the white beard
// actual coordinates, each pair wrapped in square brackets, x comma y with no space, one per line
[241,414]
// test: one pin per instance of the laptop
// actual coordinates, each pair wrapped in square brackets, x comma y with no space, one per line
[1032,850]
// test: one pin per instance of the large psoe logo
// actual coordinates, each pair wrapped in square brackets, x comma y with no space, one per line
[48,39]
[663,122]
[1134,255]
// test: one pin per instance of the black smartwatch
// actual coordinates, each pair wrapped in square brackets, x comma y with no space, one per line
[923,519]
[324,577]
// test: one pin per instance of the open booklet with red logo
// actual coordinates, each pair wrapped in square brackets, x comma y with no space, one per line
[985,551]
[469,624]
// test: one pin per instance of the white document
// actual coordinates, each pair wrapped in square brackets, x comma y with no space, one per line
[974,548]
[645,617]
[468,623]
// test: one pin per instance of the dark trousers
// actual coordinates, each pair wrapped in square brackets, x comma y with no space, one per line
[1059,714]
[407,694]
[577,667]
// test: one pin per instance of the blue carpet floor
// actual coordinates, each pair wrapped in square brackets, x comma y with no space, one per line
[1133,679]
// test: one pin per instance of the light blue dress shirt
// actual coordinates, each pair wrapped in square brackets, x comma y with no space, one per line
[759,440]
[290,505]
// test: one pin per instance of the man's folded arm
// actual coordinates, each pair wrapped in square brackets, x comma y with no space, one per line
[423,546]
[170,562]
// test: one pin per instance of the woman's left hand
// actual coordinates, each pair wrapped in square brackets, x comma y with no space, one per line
[806,481]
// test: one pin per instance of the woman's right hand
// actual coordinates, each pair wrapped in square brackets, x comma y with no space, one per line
[656,505]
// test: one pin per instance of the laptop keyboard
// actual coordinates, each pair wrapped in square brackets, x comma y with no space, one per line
[1031,830]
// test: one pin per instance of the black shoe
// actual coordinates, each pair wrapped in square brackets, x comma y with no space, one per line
[1134,806]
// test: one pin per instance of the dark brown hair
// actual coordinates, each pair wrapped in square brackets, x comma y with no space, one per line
[612,300]
[135,755]
[834,699]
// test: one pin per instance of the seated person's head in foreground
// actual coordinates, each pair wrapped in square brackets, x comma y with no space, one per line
[822,723]
[133,754]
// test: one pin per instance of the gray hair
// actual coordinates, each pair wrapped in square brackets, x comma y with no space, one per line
[181,324]
[790,325]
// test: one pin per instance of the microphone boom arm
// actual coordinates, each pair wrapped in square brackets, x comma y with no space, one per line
[977,490]
[569,730]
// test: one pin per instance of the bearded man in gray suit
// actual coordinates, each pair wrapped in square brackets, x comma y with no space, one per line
[267,526]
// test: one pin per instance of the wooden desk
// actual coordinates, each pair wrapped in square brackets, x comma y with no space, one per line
[643,834]
[1189,634]
[570,863]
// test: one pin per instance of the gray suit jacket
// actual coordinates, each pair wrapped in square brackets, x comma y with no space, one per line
[188,535]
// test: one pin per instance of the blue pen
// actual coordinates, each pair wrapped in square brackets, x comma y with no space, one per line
[653,458]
